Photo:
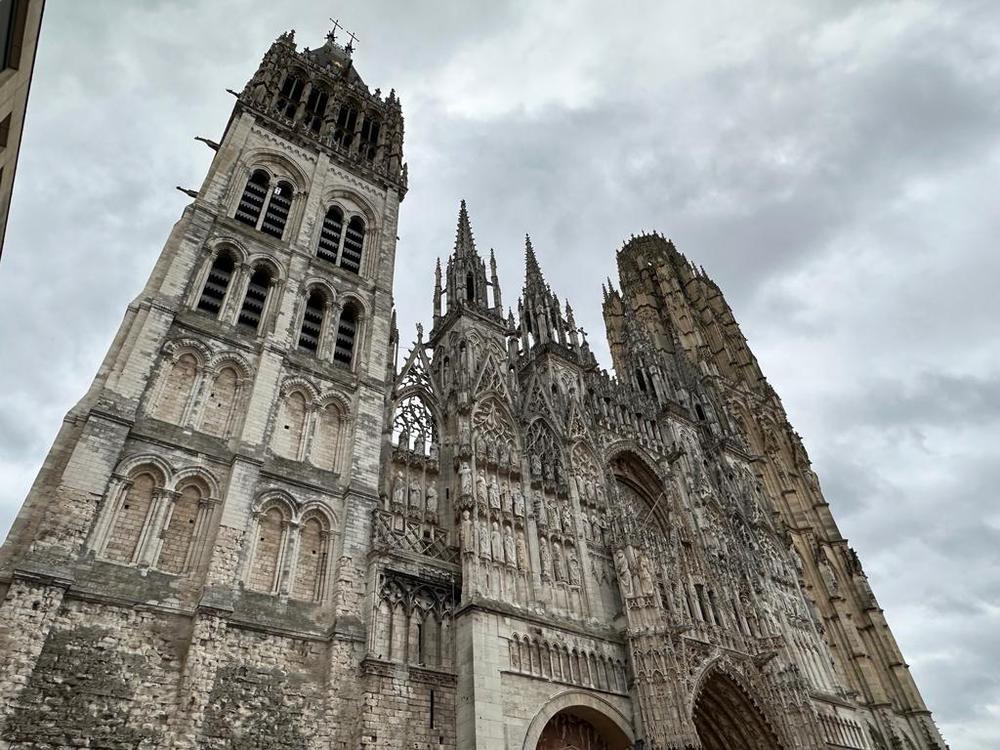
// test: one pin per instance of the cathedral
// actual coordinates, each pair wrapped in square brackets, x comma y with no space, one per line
[269,526]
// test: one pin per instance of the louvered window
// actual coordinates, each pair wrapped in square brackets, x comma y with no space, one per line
[347,120]
[312,321]
[216,285]
[254,195]
[346,331]
[255,299]
[278,207]
[315,109]
[354,240]
[329,236]
[369,138]
[288,98]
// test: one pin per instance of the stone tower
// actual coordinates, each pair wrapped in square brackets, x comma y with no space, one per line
[265,526]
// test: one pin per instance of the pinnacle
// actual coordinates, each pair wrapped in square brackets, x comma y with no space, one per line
[464,242]
[532,273]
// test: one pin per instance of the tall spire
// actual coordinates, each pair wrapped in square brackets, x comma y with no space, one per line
[464,243]
[532,273]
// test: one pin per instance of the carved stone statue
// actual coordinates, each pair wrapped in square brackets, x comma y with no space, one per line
[432,503]
[505,500]
[546,558]
[468,532]
[509,551]
[558,572]
[399,491]
[481,490]
[829,577]
[567,519]
[536,465]
[465,477]
[494,494]
[541,512]
[484,540]
[574,569]
[645,576]
[518,501]
[496,543]
[416,497]
[522,551]
[624,574]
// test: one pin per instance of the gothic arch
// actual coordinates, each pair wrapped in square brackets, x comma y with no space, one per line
[726,713]
[607,719]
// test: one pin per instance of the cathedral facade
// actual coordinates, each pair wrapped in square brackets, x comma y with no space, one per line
[268,525]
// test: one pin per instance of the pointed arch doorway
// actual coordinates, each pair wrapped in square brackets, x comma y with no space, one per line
[726,718]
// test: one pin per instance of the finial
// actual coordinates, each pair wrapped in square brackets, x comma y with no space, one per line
[420,332]
[331,36]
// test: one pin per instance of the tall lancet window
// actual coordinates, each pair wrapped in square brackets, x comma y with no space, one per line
[346,333]
[312,321]
[254,196]
[217,284]
[354,241]
[330,234]
[369,138]
[278,207]
[316,108]
[288,97]
[255,299]
[347,121]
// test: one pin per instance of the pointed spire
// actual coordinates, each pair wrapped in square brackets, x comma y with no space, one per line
[532,273]
[464,243]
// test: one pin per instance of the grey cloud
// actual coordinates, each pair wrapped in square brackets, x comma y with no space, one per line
[830,164]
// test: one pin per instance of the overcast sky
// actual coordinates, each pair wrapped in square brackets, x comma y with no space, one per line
[832,165]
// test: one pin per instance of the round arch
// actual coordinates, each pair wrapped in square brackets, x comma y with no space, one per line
[600,714]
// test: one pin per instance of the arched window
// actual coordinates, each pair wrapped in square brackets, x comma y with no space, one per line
[330,234]
[354,240]
[316,108]
[217,284]
[640,380]
[130,518]
[176,390]
[311,563]
[312,321]
[267,551]
[254,195]
[347,121]
[290,426]
[255,299]
[278,207]
[220,402]
[327,438]
[369,138]
[288,97]
[470,287]
[178,535]
[346,331]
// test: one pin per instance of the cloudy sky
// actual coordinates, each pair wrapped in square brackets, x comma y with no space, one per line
[832,164]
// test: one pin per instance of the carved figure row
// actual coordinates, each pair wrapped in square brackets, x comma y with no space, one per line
[417,497]
[556,661]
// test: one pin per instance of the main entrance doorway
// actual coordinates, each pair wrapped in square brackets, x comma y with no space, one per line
[727,720]
[581,728]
